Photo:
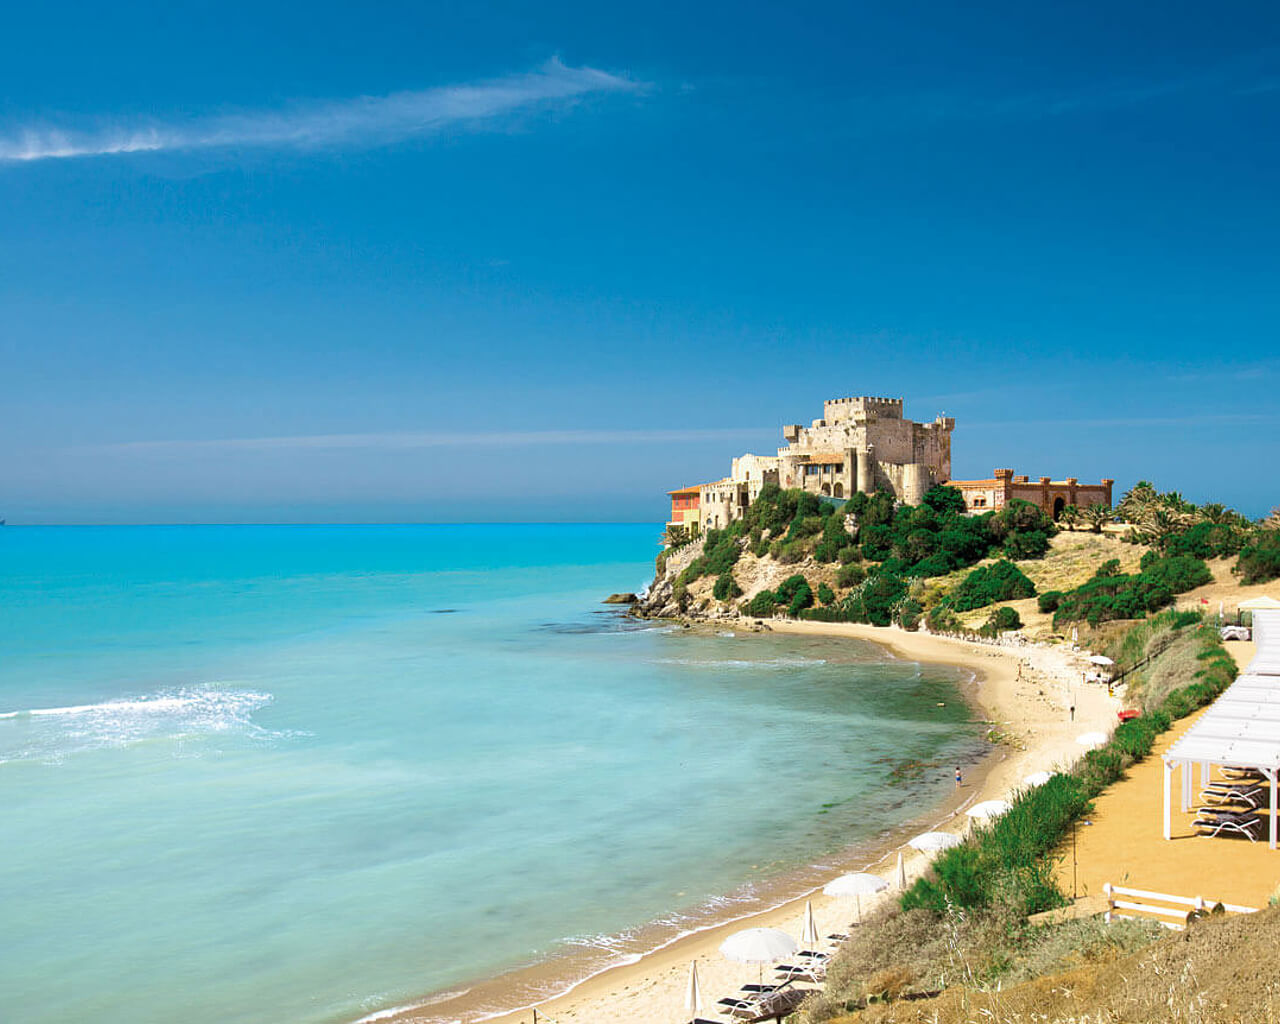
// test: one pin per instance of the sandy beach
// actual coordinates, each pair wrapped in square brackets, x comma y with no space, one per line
[1026,693]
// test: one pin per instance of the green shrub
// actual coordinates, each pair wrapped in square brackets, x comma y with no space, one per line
[802,599]
[1001,620]
[849,554]
[762,605]
[825,594]
[850,575]
[909,613]
[944,499]
[1179,573]
[1026,544]
[726,587]
[1048,601]
[1259,560]
[1108,569]
[879,596]
[1002,581]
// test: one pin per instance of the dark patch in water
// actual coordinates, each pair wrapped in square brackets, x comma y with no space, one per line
[444,611]
[600,622]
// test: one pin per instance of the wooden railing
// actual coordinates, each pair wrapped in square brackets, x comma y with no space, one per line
[1177,916]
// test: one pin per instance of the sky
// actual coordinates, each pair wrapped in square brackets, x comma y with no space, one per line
[546,261]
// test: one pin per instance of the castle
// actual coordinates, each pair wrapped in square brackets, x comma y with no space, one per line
[865,444]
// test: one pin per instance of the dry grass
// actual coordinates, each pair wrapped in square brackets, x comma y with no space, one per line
[1221,971]
[1072,559]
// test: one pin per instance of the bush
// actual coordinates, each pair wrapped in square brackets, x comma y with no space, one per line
[1179,573]
[944,499]
[850,575]
[1048,601]
[1001,620]
[1259,560]
[802,599]
[849,554]
[763,605]
[726,587]
[1002,581]
[1208,540]
[825,594]
[909,613]
[879,596]
[1026,544]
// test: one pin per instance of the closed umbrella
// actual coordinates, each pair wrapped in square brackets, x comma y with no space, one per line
[693,997]
[988,809]
[902,873]
[929,842]
[1091,739]
[809,930]
[758,946]
[857,884]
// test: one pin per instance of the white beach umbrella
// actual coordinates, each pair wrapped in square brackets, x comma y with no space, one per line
[1261,603]
[902,873]
[989,809]
[929,842]
[1101,659]
[1091,739]
[758,946]
[1038,778]
[809,937]
[856,884]
[693,997]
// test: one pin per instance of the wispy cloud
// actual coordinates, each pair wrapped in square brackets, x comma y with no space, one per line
[1193,419]
[400,441]
[354,123]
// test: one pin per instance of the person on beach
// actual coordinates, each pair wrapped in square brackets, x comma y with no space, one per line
[1073,711]
[959,779]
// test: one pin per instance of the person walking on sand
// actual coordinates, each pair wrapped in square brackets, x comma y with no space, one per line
[959,778]
[1073,711]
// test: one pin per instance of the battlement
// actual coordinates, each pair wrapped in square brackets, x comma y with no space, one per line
[837,410]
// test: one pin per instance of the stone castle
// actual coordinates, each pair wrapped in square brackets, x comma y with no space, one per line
[865,444]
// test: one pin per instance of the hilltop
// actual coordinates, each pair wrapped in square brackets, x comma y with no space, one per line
[941,567]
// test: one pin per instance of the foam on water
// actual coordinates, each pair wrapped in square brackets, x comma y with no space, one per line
[52,734]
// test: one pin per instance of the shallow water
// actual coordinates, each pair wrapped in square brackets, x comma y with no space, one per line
[307,773]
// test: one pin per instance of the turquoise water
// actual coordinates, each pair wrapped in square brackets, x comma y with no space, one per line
[308,773]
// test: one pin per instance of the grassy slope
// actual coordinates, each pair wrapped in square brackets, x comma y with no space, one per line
[1218,971]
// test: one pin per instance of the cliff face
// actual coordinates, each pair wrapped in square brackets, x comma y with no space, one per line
[753,574]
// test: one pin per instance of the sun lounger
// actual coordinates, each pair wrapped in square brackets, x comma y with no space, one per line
[771,1005]
[1242,773]
[1235,792]
[1211,822]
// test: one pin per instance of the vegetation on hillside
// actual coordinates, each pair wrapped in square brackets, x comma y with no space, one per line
[965,922]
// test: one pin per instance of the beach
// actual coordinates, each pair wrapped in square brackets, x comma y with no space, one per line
[1024,691]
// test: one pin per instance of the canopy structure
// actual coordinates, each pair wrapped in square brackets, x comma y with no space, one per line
[1240,729]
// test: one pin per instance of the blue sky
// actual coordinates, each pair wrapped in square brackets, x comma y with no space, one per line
[283,262]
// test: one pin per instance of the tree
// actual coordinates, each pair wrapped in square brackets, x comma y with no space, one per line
[944,500]
[1097,516]
[1069,517]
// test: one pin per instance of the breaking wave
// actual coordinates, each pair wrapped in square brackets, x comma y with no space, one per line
[51,734]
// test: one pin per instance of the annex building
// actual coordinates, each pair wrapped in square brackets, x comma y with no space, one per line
[1051,495]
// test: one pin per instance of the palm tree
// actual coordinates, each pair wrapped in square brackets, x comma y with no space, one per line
[1069,517]
[1136,500]
[1097,516]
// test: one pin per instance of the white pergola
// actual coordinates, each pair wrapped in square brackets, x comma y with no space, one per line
[1240,729]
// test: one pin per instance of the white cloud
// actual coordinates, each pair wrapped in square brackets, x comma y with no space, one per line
[360,122]
[400,441]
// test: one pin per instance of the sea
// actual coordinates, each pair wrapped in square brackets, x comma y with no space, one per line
[316,773]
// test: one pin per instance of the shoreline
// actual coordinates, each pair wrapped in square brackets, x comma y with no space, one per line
[1021,692]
